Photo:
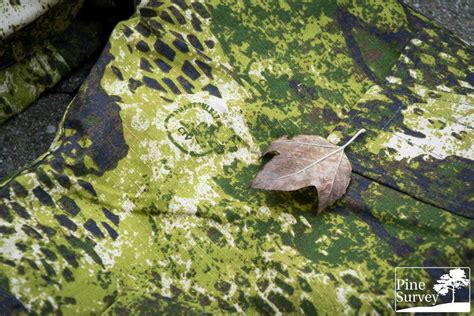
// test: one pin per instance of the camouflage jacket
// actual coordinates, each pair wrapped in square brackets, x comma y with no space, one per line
[143,204]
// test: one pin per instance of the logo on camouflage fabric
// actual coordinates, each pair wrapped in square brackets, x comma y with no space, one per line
[432,290]
[197,129]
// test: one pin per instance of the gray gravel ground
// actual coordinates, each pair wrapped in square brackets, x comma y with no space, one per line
[455,15]
[29,134]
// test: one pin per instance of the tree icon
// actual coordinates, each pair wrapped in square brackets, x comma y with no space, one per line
[451,282]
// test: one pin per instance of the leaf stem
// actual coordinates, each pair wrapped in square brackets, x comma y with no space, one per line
[353,138]
[326,156]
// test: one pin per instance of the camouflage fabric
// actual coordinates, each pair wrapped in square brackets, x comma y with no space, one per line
[27,24]
[142,204]
[41,50]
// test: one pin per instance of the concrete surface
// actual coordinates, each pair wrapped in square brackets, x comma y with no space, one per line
[455,15]
[29,134]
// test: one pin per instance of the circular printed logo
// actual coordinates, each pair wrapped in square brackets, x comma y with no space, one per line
[197,129]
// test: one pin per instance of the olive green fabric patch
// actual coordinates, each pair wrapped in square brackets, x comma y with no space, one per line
[420,123]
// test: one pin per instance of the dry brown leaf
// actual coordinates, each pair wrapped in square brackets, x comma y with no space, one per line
[307,160]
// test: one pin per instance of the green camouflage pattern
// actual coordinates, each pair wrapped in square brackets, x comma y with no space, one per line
[25,25]
[39,54]
[421,138]
[23,82]
[143,203]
